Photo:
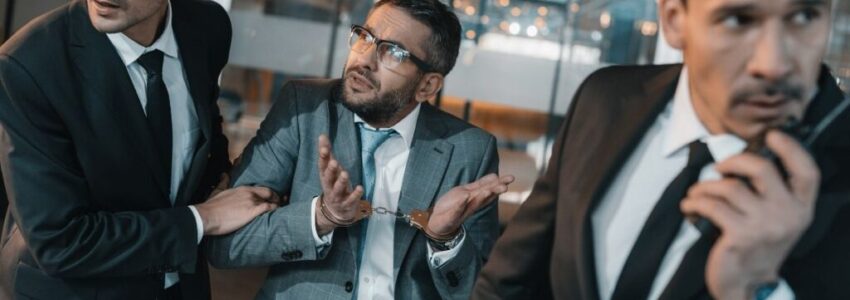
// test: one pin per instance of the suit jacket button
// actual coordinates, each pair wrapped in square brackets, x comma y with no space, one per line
[349,286]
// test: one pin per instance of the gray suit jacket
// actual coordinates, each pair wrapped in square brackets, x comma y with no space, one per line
[446,152]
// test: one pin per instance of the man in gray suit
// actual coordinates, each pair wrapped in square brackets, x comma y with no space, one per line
[390,148]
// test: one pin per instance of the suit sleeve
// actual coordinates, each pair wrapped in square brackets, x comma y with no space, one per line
[219,161]
[454,278]
[50,198]
[519,264]
[284,234]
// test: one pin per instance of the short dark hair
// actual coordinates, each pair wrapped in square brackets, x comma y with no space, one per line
[444,44]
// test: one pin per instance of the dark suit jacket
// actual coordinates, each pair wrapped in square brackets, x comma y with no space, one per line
[547,249]
[89,216]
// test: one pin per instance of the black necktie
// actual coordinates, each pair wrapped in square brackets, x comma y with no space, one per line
[158,108]
[660,230]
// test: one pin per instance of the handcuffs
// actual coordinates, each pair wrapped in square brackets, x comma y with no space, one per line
[416,218]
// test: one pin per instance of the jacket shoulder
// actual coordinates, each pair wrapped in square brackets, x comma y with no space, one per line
[312,90]
[457,130]
[625,78]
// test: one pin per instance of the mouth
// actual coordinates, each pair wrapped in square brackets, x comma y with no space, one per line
[105,7]
[767,108]
[359,83]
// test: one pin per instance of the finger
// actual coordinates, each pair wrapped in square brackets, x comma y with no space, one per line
[499,188]
[463,206]
[507,179]
[330,175]
[355,195]
[263,194]
[763,175]
[732,190]
[275,199]
[324,146]
[263,208]
[479,199]
[803,172]
[340,186]
[483,181]
[719,212]
[484,200]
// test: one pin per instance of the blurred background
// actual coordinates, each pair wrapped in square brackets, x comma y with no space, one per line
[520,63]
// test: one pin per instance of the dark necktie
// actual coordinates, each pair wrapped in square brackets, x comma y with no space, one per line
[660,230]
[158,109]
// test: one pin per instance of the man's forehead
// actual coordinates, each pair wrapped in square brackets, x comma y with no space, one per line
[394,24]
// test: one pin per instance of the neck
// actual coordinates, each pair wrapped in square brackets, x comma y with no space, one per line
[147,31]
[709,120]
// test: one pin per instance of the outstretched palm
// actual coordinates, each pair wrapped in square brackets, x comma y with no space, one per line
[455,206]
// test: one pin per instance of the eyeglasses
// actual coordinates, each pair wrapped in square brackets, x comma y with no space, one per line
[390,54]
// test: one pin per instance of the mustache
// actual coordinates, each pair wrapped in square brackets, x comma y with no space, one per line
[785,90]
[112,2]
[366,74]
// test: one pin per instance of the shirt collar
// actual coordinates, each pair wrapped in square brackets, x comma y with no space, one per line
[130,51]
[405,128]
[685,127]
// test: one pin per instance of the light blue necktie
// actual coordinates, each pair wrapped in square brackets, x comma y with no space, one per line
[370,140]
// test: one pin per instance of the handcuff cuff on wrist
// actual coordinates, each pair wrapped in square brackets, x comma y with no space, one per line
[417,219]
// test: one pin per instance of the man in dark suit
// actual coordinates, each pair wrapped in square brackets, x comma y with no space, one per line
[111,139]
[611,219]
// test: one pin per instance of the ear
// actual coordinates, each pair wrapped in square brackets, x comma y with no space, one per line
[672,16]
[429,86]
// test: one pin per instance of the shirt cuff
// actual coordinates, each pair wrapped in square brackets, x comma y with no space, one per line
[782,292]
[439,258]
[324,240]
[199,223]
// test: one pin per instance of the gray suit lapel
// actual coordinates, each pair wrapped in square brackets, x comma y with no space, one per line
[426,167]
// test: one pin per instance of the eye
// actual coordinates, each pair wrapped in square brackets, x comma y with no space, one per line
[397,53]
[736,21]
[805,16]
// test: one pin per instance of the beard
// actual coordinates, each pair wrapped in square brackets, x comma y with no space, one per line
[384,105]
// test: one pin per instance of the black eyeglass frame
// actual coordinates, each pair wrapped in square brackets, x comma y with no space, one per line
[421,64]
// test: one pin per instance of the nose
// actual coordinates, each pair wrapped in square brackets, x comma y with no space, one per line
[770,58]
[367,60]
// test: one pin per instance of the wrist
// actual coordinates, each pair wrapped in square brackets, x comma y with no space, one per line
[447,245]
[209,225]
[442,237]
[323,225]
[757,289]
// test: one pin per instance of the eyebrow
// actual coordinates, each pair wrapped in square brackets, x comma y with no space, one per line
[371,31]
[731,9]
[810,2]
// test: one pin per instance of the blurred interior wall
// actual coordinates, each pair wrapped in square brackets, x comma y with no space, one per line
[26,10]
[664,53]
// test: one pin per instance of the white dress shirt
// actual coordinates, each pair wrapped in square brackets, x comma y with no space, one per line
[185,131]
[660,156]
[375,279]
